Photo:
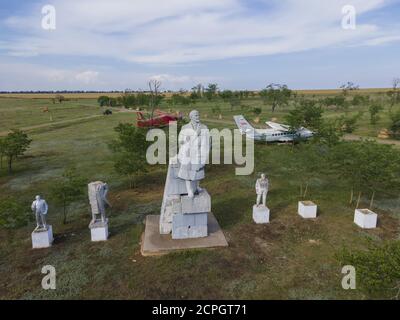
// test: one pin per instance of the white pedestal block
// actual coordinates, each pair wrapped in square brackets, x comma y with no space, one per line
[188,226]
[307,209]
[260,214]
[42,238]
[365,218]
[99,231]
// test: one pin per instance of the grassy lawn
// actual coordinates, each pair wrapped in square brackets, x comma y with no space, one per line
[290,258]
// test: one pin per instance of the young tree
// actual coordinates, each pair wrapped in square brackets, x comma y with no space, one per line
[374,113]
[395,125]
[103,101]
[1,152]
[307,114]
[70,188]
[130,151]
[368,166]
[329,133]
[394,94]
[60,98]
[197,92]
[211,91]
[309,161]
[257,111]
[349,86]
[14,145]
[349,124]
[234,102]
[275,94]
[154,86]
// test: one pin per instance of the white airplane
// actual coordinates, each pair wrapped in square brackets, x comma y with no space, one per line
[274,133]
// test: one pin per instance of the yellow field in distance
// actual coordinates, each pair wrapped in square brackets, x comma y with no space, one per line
[95,95]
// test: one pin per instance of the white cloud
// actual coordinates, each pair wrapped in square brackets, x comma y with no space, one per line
[182,31]
[27,76]
[87,77]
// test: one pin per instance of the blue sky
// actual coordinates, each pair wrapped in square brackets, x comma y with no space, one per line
[239,44]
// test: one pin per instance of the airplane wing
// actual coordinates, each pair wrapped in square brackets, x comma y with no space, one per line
[243,125]
[277,126]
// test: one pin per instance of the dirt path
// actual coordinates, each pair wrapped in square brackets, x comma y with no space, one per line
[353,137]
[45,125]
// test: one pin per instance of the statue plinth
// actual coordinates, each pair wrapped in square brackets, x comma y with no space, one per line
[182,216]
[99,230]
[260,214]
[42,237]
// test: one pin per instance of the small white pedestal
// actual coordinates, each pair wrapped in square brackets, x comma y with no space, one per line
[307,209]
[365,218]
[260,214]
[42,238]
[99,230]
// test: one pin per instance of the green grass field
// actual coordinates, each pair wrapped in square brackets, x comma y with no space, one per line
[290,258]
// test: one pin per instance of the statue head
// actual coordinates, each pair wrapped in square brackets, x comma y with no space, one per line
[263,176]
[37,198]
[194,116]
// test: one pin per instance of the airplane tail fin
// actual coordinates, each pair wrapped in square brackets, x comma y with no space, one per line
[243,125]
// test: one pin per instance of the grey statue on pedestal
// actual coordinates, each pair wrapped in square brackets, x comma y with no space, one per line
[97,192]
[194,145]
[262,186]
[40,208]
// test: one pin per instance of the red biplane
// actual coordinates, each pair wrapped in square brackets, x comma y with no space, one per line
[159,119]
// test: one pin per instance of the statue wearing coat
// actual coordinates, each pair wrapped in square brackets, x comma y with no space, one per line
[40,208]
[194,146]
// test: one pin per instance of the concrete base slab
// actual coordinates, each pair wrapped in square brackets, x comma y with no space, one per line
[154,243]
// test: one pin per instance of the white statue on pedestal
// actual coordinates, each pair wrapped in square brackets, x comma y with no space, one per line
[97,192]
[194,145]
[40,208]
[262,186]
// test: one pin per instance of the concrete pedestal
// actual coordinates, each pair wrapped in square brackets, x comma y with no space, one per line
[307,209]
[365,218]
[187,226]
[153,243]
[99,230]
[260,214]
[42,238]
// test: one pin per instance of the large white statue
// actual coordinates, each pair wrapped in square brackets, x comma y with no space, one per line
[194,146]
[97,192]
[40,208]
[262,186]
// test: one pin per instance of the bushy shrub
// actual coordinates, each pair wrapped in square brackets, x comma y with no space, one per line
[13,214]
[377,269]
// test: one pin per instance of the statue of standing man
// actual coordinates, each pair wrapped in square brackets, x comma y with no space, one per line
[40,208]
[262,186]
[194,146]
